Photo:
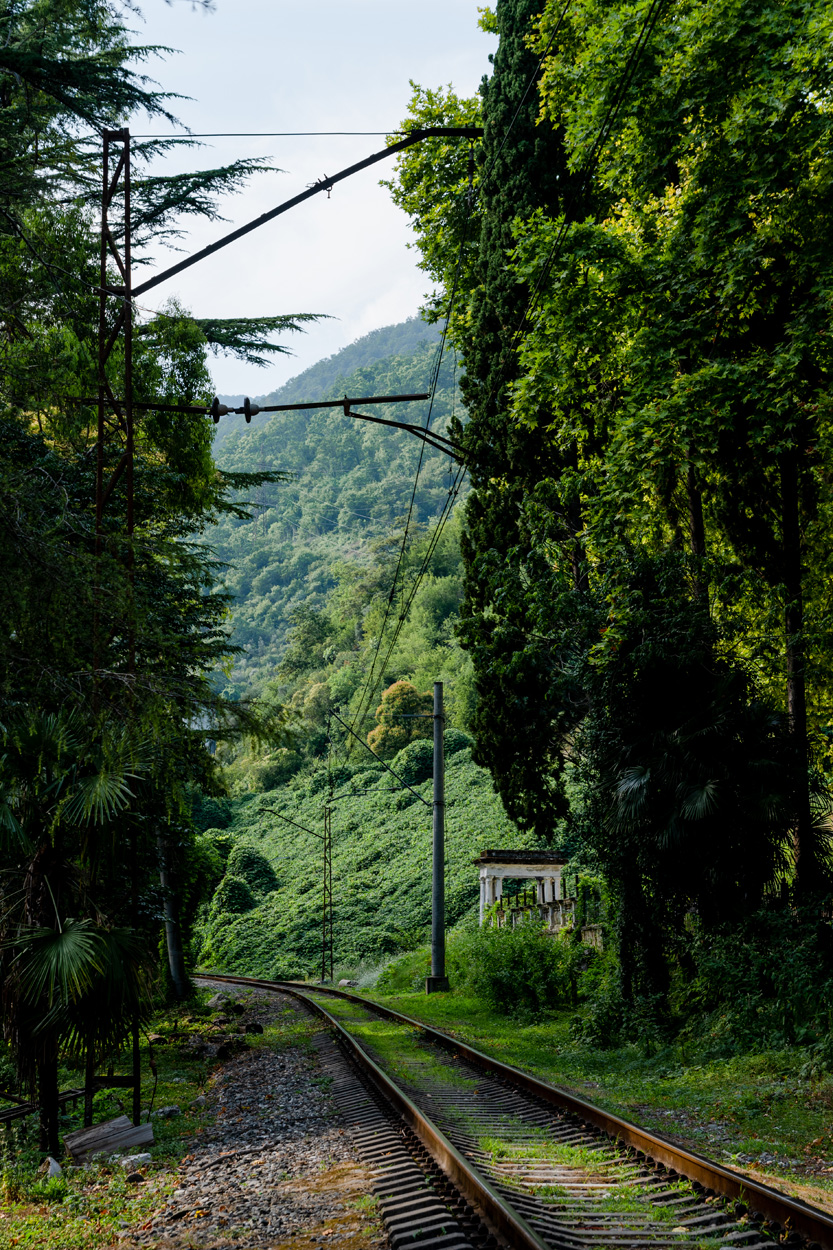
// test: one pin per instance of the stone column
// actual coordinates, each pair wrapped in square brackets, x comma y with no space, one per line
[482,898]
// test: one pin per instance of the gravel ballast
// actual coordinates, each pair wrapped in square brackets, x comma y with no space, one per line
[275,1166]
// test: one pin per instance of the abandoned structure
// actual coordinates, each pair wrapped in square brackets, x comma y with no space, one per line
[543,870]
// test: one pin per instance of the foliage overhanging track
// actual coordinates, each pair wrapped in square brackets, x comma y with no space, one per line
[553,1163]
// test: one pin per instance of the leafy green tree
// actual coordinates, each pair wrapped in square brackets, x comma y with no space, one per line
[692,319]
[521,168]
[103,654]
[233,896]
[248,863]
[402,716]
[64,782]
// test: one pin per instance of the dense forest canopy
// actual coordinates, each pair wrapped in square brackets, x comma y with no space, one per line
[643,322]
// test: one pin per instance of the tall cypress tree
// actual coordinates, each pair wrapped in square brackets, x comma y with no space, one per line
[523,170]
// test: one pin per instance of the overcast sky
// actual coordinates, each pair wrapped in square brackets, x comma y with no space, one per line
[276,65]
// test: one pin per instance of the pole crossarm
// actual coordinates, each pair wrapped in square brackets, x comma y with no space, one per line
[324,184]
[430,437]
[437,441]
[205,409]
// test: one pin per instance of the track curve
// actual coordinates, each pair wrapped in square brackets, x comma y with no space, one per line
[788,1219]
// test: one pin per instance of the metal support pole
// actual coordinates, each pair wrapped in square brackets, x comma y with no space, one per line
[438,980]
[115,430]
[327,901]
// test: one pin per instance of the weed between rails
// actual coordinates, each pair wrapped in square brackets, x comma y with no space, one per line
[401,1051]
[399,1048]
[590,1161]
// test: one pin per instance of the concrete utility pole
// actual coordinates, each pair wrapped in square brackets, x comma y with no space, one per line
[438,980]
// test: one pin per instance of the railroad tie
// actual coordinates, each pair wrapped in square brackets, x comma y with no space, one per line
[418,1205]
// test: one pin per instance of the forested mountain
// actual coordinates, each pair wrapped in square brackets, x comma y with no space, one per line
[319,380]
[351,488]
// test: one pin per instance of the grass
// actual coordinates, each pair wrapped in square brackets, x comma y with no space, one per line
[582,1158]
[735,1110]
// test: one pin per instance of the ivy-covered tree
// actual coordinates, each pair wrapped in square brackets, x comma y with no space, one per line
[403,716]
[692,323]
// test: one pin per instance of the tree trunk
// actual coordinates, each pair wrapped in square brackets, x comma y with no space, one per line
[696,524]
[48,1105]
[809,878]
[173,934]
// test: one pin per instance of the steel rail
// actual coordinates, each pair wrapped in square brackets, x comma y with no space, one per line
[466,1178]
[788,1212]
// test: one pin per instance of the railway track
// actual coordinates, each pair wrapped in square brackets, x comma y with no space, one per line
[515,1159]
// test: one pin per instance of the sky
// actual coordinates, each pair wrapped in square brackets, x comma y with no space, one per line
[303,65]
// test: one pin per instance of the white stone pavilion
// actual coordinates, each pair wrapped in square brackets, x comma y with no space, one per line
[542,867]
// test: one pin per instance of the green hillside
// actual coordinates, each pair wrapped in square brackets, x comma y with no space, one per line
[319,380]
[381,863]
[331,611]
[344,508]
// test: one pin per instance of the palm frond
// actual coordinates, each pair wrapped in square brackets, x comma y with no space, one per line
[631,789]
[60,964]
[98,798]
[701,801]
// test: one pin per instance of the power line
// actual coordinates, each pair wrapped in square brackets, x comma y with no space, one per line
[368,692]
[451,498]
[366,697]
[268,134]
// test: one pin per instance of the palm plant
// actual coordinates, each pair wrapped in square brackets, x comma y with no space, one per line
[69,978]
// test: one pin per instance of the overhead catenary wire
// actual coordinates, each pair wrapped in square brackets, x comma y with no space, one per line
[366,697]
[269,134]
[369,688]
[385,765]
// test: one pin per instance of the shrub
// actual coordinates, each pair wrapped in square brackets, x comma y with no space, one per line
[524,971]
[765,983]
[233,897]
[286,968]
[415,762]
[455,740]
[220,841]
[247,863]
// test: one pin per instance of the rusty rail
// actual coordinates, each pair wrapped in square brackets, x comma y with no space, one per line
[791,1213]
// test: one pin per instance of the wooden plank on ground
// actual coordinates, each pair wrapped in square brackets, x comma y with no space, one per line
[111,1137]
